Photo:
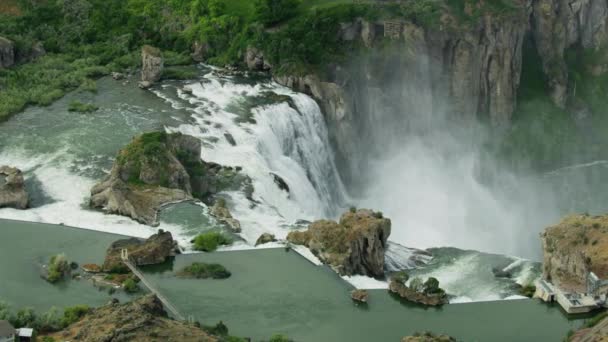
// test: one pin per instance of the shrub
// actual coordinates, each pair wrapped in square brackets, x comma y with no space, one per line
[208,242]
[431,286]
[416,284]
[130,285]
[279,338]
[77,106]
[528,290]
[201,270]
[73,313]
[401,277]
[58,268]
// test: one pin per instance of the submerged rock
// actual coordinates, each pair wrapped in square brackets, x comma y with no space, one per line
[355,245]
[144,319]
[152,66]
[155,250]
[421,297]
[359,296]
[12,188]
[265,238]
[573,248]
[158,168]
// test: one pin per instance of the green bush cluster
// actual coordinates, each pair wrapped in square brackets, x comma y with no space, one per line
[58,267]
[50,321]
[201,270]
[270,12]
[210,241]
[130,285]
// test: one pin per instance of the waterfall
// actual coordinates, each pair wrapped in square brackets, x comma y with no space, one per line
[281,144]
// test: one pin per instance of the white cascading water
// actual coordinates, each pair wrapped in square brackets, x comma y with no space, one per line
[292,144]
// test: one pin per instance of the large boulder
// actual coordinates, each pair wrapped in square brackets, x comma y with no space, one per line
[428,337]
[143,319]
[151,66]
[155,250]
[158,168]
[355,245]
[7,53]
[420,297]
[573,248]
[12,188]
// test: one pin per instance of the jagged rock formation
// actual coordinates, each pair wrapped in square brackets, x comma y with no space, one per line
[573,248]
[155,250]
[355,245]
[151,66]
[12,188]
[359,296]
[254,59]
[7,53]
[141,320]
[158,168]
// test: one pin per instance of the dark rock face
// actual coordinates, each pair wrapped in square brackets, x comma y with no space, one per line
[155,250]
[141,320]
[355,245]
[7,53]
[12,188]
[155,169]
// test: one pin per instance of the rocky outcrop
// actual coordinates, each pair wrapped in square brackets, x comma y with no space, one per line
[430,299]
[7,53]
[151,66]
[593,331]
[199,51]
[573,248]
[155,250]
[359,296]
[254,59]
[265,238]
[158,168]
[222,214]
[141,320]
[355,245]
[12,188]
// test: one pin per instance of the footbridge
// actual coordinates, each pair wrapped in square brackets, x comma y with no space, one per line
[124,255]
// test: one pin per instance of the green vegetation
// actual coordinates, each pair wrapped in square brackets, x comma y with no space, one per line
[200,270]
[57,269]
[50,321]
[130,285]
[180,73]
[210,241]
[77,106]
[401,277]
[595,320]
[148,147]
[280,338]
[270,12]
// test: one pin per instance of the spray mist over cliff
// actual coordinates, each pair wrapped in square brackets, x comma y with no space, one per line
[425,166]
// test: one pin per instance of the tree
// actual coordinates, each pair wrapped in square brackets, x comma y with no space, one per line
[271,12]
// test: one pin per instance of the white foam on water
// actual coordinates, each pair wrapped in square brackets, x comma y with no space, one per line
[365,283]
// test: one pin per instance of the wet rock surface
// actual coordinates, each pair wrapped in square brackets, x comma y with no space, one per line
[12,188]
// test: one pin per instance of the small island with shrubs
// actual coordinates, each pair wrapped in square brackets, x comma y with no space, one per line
[210,241]
[201,270]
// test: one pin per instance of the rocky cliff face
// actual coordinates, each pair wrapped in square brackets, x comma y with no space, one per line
[355,245]
[12,188]
[156,169]
[7,53]
[151,66]
[573,248]
[141,320]
[462,69]
[155,250]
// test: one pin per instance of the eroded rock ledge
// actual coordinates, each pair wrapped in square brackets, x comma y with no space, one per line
[12,188]
[573,248]
[159,168]
[355,245]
